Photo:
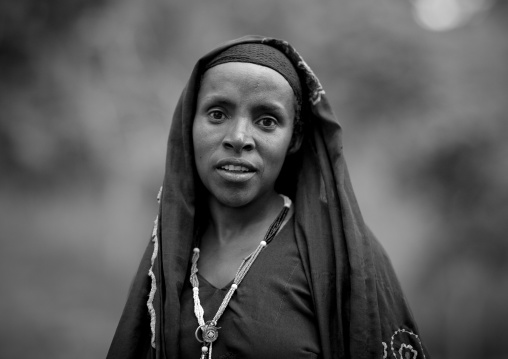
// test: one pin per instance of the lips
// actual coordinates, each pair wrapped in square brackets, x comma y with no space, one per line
[236,165]
[233,168]
[236,170]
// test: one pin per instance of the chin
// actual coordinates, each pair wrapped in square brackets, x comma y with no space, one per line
[233,200]
[236,196]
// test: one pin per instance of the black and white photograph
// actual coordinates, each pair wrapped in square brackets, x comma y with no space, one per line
[254,179]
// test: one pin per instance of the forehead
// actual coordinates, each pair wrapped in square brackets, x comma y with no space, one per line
[245,79]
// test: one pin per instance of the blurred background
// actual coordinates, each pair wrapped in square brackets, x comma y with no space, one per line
[87,91]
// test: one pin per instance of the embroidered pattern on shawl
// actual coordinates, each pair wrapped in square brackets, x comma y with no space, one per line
[312,82]
[408,343]
[153,289]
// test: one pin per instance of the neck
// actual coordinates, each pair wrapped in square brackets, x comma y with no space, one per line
[227,224]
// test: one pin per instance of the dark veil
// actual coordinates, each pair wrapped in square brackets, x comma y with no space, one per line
[360,308]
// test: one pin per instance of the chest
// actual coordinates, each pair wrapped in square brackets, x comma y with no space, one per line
[271,314]
[219,264]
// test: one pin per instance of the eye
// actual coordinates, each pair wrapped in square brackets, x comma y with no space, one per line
[217,115]
[267,123]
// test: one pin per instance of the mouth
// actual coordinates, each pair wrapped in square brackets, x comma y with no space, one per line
[236,165]
[236,170]
[233,168]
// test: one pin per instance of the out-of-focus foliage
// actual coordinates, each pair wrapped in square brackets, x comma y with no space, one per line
[34,141]
[87,90]
[460,172]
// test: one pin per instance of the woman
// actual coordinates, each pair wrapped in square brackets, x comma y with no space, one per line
[259,249]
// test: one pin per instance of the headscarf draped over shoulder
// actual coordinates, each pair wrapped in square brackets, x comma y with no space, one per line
[360,309]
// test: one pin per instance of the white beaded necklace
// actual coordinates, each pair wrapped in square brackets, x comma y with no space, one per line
[209,330]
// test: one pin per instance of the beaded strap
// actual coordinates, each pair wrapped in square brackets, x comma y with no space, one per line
[209,329]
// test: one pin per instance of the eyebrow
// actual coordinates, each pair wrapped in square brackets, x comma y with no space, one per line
[216,99]
[225,101]
[271,107]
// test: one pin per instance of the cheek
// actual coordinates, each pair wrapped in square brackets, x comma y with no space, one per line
[205,140]
[200,137]
[276,154]
[199,143]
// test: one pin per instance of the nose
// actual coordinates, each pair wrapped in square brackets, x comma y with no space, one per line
[239,137]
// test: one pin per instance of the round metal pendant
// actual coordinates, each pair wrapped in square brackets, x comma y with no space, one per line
[210,333]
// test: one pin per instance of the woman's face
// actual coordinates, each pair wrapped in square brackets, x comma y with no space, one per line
[241,131]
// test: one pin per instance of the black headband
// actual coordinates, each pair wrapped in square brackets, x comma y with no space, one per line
[263,55]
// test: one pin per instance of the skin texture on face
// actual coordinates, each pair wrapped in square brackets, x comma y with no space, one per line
[241,132]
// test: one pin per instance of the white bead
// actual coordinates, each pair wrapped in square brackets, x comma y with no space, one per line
[195,289]
[196,250]
[204,349]
[263,244]
[234,286]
